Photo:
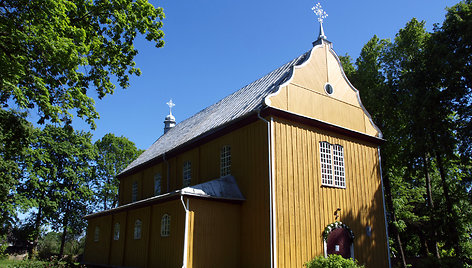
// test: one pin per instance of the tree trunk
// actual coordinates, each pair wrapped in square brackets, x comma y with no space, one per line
[451,215]
[65,224]
[394,231]
[105,202]
[37,229]
[431,206]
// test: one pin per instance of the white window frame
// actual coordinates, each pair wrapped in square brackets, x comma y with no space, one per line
[138,224]
[134,192]
[225,160]
[187,174]
[116,231]
[157,184]
[165,225]
[332,168]
[96,235]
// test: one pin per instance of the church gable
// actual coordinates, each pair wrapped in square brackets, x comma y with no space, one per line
[319,89]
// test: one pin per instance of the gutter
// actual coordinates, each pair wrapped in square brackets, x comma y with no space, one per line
[186,208]
[273,247]
[385,211]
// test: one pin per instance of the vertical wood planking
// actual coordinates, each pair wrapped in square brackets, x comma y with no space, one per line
[304,207]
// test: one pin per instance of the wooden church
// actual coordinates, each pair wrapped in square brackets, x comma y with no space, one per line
[283,170]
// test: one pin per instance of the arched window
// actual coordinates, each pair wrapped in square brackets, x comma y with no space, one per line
[137,229]
[157,184]
[116,231]
[165,225]
[96,235]
[225,160]
[134,192]
[187,174]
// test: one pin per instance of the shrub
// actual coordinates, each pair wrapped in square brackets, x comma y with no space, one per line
[332,261]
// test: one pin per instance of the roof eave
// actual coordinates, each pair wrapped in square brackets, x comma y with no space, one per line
[270,110]
[218,131]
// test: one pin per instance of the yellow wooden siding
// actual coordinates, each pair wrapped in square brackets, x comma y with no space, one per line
[117,246]
[135,248]
[305,94]
[304,208]
[191,156]
[249,166]
[126,187]
[167,251]
[325,108]
[97,251]
[216,234]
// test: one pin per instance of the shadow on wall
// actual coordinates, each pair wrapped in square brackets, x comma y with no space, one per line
[368,226]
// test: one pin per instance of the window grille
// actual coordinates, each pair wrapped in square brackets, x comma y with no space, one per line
[134,192]
[157,184]
[332,165]
[225,161]
[165,225]
[187,174]
[116,231]
[96,235]
[338,166]
[137,229]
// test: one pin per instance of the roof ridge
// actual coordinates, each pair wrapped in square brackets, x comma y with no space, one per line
[237,104]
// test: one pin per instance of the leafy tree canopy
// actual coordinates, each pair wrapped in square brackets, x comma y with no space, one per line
[15,134]
[52,52]
[114,155]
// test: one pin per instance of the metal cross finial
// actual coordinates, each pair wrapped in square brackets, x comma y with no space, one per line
[170,104]
[319,12]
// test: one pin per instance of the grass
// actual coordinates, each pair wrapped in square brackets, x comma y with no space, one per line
[35,264]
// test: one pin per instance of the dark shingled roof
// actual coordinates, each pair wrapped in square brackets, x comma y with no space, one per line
[242,102]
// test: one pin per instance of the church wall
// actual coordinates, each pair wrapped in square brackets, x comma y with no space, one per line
[117,246]
[135,248]
[304,207]
[97,251]
[305,93]
[249,166]
[216,234]
[166,251]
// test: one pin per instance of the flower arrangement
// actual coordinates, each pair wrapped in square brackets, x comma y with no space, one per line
[335,225]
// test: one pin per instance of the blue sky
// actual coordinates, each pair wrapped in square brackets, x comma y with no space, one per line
[213,48]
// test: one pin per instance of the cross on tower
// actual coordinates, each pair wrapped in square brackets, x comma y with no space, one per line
[319,12]
[170,104]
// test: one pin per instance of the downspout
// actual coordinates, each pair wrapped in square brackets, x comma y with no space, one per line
[168,171]
[184,261]
[273,261]
[385,211]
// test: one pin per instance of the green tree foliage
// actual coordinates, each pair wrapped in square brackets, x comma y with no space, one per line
[52,52]
[15,134]
[114,155]
[418,91]
[61,180]
[332,261]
